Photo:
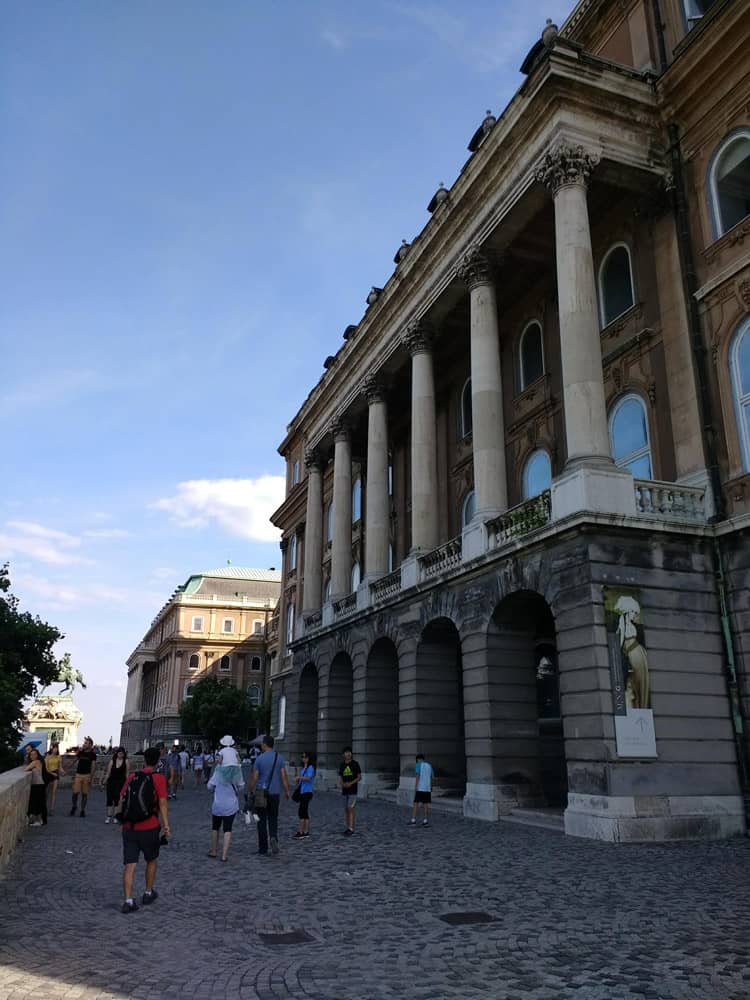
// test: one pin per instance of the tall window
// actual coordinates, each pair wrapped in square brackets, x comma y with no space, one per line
[281,728]
[189,690]
[537,474]
[356,500]
[257,627]
[255,663]
[227,625]
[729,182]
[615,283]
[355,577]
[292,553]
[225,664]
[629,438]
[327,591]
[468,507]
[295,473]
[290,623]
[466,419]
[329,523]
[197,623]
[531,352]
[254,695]
[695,10]
[195,661]
[739,365]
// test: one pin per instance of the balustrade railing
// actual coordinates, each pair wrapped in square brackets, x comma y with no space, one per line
[313,620]
[442,559]
[520,520]
[386,586]
[345,606]
[669,502]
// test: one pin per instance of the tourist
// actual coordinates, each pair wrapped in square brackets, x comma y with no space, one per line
[208,763]
[267,776]
[85,770]
[228,756]
[422,791]
[53,760]
[37,808]
[184,761]
[304,789]
[114,779]
[198,764]
[174,762]
[349,774]
[140,833]
[227,783]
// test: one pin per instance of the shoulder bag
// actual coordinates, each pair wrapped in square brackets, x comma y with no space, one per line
[261,794]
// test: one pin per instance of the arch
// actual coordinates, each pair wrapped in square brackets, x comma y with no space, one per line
[307,709]
[380,737]
[465,414]
[468,508]
[195,661]
[616,290]
[739,372]
[531,353]
[225,664]
[356,500]
[439,711]
[729,182]
[356,577]
[537,474]
[629,436]
[340,707]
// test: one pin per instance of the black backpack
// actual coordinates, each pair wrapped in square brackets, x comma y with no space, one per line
[140,801]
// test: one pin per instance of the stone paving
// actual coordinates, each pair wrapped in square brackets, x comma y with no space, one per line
[572,919]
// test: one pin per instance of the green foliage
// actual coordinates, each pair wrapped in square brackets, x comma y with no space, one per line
[26,661]
[217,707]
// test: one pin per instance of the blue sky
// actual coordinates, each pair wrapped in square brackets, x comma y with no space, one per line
[195,199]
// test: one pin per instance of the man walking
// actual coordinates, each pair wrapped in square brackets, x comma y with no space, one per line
[85,768]
[349,774]
[422,791]
[268,776]
[174,762]
[144,811]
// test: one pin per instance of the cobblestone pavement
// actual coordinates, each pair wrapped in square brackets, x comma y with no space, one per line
[572,919]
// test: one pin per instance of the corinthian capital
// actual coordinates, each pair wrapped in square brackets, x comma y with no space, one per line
[418,336]
[373,388]
[565,165]
[340,429]
[313,459]
[474,267]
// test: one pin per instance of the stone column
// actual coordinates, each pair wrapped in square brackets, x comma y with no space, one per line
[377,500]
[313,534]
[341,548]
[565,172]
[488,434]
[424,509]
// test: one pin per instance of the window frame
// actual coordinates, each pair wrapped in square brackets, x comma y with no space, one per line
[187,690]
[255,703]
[470,495]
[253,661]
[329,523]
[465,411]
[743,132]
[357,500]
[258,630]
[197,658]
[603,321]
[521,374]
[525,494]
[193,620]
[281,717]
[742,423]
[290,613]
[292,557]
[224,629]
[624,462]
[228,668]
[356,571]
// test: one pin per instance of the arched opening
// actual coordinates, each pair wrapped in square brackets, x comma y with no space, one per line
[465,421]
[340,707]
[531,354]
[629,436]
[739,368]
[307,708]
[381,723]
[537,474]
[729,181]
[440,705]
[468,509]
[526,719]
[615,283]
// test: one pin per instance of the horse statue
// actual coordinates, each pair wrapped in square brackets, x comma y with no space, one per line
[69,676]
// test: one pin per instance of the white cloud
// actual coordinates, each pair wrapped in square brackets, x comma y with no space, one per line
[48,545]
[67,595]
[52,388]
[240,506]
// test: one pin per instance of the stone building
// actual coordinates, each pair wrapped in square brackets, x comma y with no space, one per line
[516,525]
[219,622]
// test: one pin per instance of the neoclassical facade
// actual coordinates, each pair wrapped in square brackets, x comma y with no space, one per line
[222,622]
[515,533]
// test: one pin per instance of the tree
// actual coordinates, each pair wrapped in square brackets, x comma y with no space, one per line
[214,708]
[26,662]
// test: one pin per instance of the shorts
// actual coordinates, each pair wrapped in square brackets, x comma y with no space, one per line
[350,801]
[423,796]
[82,784]
[304,805]
[226,821]
[113,795]
[137,842]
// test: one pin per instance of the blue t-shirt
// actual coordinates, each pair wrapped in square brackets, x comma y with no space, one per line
[307,774]
[424,776]
[264,764]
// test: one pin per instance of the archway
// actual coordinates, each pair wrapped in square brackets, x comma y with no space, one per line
[526,719]
[440,704]
[340,705]
[307,709]
[379,734]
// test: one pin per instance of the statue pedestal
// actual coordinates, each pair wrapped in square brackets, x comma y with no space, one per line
[57,716]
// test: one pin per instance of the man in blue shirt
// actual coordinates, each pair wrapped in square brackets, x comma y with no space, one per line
[422,791]
[268,773]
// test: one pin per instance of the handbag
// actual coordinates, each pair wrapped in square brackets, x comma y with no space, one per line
[296,794]
[261,794]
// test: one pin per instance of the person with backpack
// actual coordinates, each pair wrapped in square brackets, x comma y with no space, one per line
[143,812]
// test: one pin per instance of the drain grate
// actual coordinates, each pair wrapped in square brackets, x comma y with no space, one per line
[467,917]
[285,937]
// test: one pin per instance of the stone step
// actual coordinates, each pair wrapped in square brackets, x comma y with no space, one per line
[548,819]
[443,803]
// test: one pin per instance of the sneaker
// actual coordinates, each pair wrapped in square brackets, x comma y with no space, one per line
[129,906]
[149,897]
[83,814]
[72,811]
[36,822]
[274,846]
[108,820]
[425,822]
[298,836]
[306,834]
[348,832]
[412,822]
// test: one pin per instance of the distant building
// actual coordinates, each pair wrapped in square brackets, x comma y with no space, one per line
[219,622]
[517,526]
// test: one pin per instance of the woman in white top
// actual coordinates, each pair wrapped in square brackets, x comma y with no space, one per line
[227,756]
[198,764]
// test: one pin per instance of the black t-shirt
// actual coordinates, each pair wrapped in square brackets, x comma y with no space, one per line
[86,761]
[350,772]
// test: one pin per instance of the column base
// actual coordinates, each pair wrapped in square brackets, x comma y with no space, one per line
[474,540]
[639,818]
[603,488]
[489,802]
[410,571]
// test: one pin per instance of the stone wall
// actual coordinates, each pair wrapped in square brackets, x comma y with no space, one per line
[14,800]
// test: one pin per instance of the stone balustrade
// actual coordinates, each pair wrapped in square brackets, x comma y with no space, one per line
[386,587]
[669,502]
[443,559]
[14,801]
[520,520]
[313,620]
[346,606]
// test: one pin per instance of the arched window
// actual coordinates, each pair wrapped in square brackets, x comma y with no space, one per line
[327,590]
[390,557]
[255,663]
[739,366]
[329,523]
[537,474]
[195,661]
[356,500]
[531,353]
[292,553]
[225,663]
[629,438]
[465,424]
[281,727]
[355,577]
[254,695]
[188,690]
[468,507]
[729,182]
[615,283]
[290,623]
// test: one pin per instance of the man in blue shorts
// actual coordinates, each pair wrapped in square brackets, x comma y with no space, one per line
[349,774]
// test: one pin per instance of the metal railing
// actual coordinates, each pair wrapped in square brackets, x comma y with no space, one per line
[520,520]
[443,559]
[386,586]
[669,502]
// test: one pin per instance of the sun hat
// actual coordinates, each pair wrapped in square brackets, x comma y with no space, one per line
[227,741]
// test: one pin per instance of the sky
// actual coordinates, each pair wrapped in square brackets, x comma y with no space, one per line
[195,200]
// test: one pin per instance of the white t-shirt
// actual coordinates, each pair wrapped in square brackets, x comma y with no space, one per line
[228,756]
[424,776]
[184,757]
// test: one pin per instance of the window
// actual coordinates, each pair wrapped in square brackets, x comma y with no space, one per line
[257,627]
[295,473]
[327,590]
[628,435]
[390,479]
[255,695]
[197,624]
[695,10]
[465,423]
[329,523]
[357,500]
[255,663]
[281,727]
[739,364]
[615,284]
[292,553]
[225,664]
[537,474]
[531,352]
[227,625]
[195,661]
[189,690]
[729,182]
[290,623]
[390,557]
[355,577]
[468,508]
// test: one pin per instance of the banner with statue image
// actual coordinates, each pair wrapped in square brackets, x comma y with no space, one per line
[629,669]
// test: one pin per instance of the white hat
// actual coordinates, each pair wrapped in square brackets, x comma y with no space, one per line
[226,741]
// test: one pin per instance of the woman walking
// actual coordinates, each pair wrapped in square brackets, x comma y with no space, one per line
[37,808]
[226,782]
[53,761]
[114,779]
[198,764]
[305,780]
